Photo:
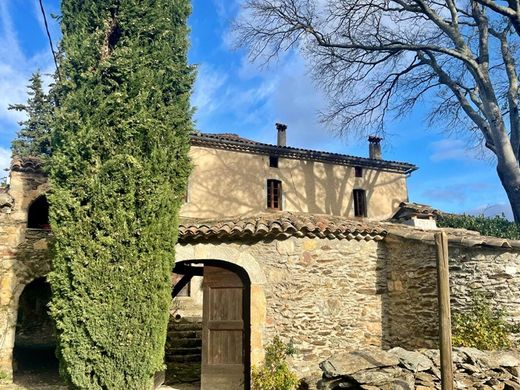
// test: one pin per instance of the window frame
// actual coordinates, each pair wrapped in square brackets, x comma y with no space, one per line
[360,203]
[358,171]
[274,194]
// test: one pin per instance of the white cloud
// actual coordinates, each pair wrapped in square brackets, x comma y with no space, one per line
[15,70]
[207,89]
[5,161]
[450,149]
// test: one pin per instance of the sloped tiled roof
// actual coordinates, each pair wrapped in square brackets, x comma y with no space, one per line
[234,142]
[285,224]
[409,209]
[26,164]
[280,225]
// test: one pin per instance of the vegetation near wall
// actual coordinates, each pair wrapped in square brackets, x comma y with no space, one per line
[497,226]
[118,174]
[483,325]
[275,373]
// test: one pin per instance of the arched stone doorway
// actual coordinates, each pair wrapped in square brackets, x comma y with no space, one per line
[225,321]
[34,358]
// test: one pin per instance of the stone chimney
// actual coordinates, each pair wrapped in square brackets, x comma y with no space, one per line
[374,148]
[282,136]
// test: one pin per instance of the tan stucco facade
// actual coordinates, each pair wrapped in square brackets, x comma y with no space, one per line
[227,183]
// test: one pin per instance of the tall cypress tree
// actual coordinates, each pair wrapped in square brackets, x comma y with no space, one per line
[33,138]
[118,174]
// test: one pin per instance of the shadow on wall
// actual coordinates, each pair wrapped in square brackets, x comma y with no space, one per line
[225,183]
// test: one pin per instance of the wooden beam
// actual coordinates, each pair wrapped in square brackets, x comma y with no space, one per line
[183,269]
[181,284]
[443,288]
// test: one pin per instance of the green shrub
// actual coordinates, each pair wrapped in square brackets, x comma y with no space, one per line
[118,174]
[497,226]
[275,373]
[482,326]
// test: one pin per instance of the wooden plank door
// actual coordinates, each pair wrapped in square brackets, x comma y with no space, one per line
[223,338]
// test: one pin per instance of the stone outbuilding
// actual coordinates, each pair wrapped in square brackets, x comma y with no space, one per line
[325,283]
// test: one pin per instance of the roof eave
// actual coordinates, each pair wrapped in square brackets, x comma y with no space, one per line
[304,154]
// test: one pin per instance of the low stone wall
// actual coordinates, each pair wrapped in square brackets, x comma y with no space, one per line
[412,286]
[323,295]
[419,370]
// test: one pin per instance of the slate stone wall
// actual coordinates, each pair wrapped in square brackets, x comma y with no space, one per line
[323,295]
[412,286]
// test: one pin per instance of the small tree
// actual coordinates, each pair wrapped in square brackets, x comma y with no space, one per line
[33,138]
[118,175]
[275,373]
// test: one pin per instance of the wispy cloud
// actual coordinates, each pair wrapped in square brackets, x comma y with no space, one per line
[5,160]
[15,71]
[450,149]
[207,90]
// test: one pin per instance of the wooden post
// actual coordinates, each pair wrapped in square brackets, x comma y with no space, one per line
[443,288]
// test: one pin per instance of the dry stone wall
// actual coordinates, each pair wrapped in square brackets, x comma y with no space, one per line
[412,291]
[420,370]
[323,294]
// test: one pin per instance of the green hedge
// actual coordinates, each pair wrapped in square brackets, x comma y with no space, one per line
[497,226]
[118,177]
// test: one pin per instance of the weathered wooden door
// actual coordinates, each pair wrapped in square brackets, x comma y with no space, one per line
[223,349]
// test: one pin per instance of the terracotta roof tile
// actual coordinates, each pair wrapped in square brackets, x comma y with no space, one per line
[26,164]
[286,224]
[278,225]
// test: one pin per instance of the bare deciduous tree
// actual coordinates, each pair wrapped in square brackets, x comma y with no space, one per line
[381,57]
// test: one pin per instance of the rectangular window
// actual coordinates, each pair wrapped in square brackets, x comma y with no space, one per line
[359,171]
[273,161]
[360,203]
[274,194]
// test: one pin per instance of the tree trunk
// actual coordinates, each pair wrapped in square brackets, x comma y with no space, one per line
[510,177]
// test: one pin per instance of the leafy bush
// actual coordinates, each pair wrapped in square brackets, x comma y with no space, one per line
[497,226]
[482,326]
[275,373]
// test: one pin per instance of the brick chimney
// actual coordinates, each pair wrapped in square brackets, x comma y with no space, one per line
[374,147]
[282,136]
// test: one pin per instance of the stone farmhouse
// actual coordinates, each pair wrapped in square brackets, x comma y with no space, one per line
[273,241]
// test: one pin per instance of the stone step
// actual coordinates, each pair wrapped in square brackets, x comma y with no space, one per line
[184,343]
[185,326]
[185,334]
[184,358]
[185,351]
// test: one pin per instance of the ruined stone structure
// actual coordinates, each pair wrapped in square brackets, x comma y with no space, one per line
[328,283]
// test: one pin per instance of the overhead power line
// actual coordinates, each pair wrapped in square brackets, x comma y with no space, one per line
[49,36]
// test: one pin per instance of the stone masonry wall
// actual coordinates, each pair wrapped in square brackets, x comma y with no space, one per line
[412,286]
[24,255]
[324,295]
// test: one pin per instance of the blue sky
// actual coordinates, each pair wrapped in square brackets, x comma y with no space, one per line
[233,95]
